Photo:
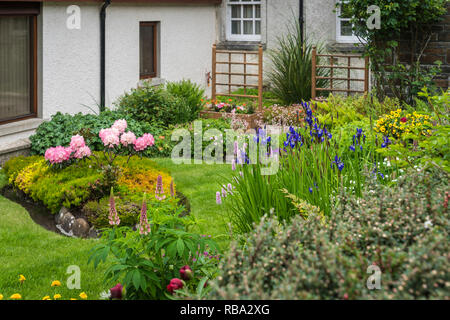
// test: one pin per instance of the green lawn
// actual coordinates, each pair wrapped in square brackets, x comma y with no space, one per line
[43,256]
[200,183]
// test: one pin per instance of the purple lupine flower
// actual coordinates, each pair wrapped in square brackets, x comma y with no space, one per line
[144,226]
[218,198]
[230,188]
[224,192]
[159,190]
[233,165]
[113,216]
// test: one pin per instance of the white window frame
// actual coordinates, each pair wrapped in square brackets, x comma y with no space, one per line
[339,37]
[243,37]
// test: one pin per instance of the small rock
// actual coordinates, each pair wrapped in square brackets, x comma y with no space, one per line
[80,228]
[67,221]
[60,215]
[93,233]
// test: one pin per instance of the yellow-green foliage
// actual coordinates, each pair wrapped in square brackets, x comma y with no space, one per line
[27,176]
[73,186]
[12,167]
[339,110]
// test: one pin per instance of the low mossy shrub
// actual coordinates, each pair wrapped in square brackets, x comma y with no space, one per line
[400,234]
[81,182]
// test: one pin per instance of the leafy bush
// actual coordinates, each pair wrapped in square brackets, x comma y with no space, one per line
[60,129]
[12,168]
[403,231]
[165,145]
[338,110]
[147,262]
[155,105]
[192,93]
[290,76]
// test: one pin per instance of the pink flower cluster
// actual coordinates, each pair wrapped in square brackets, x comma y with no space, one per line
[58,154]
[110,137]
[77,149]
[116,135]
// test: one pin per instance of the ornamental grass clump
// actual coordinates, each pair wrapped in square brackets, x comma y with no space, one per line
[395,239]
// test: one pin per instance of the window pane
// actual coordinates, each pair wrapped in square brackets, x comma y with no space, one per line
[257,27]
[248,11]
[346,28]
[15,67]
[235,11]
[257,11]
[147,50]
[248,27]
[236,27]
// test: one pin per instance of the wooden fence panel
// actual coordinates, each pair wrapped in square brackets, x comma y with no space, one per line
[245,74]
[332,78]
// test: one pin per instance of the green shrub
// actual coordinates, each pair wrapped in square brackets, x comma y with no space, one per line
[339,110]
[192,93]
[12,167]
[164,146]
[145,263]
[402,230]
[59,130]
[155,105]
[290,76]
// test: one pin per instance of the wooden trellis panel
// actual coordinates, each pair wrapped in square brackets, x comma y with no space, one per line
[227,82]
[332,78]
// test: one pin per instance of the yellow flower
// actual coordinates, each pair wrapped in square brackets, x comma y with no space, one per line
[22,278]
[16,296]
[73,299]
[382,129]
[56,283]
[57,296]
[46,298]
[83,295]
[1,297]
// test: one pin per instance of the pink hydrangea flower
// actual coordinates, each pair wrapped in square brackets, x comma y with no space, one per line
[110,137]
[58,154]
[128,138]
[120,125]
[77,142]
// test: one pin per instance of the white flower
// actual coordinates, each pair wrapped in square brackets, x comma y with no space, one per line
[105,295]
[428,224]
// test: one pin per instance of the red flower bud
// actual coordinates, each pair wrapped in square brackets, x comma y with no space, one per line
[186,273]
[404,119]
[175,284]
[116,291]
